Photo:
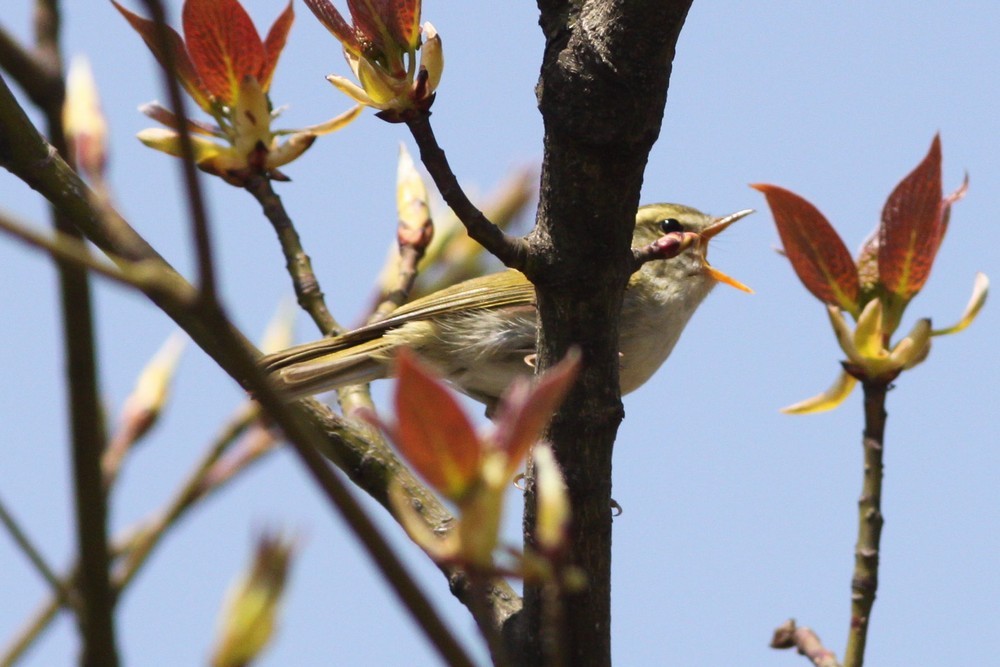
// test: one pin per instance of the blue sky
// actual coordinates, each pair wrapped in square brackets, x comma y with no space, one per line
[735,517]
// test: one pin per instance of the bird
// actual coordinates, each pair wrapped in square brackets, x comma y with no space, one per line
[479,334]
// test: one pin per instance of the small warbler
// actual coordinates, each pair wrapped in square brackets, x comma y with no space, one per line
[480,333]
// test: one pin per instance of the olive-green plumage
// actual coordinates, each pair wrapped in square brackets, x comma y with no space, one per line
[480,333]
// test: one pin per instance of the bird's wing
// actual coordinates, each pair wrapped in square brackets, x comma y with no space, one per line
[502,289]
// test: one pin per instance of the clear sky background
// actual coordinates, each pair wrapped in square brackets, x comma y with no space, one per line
[735,517]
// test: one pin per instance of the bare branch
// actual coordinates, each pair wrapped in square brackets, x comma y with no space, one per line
[37,80]
[805,641]
[307,289]
[34,555]
[864,583]
[513,252]
[192,183]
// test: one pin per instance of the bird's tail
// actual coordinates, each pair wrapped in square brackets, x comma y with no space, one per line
[299,375]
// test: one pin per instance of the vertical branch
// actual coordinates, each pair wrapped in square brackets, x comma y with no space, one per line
[601,92]
[864,583]
[48,21]
[95,613]
[196,201]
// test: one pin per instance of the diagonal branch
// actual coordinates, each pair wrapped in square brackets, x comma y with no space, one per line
[24,67]
[34,555]
[512,251]
[26,154]
[307,289]
[72,250]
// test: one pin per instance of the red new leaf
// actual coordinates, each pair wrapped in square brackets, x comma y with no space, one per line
[273,45]
[223,44]
[433,433]
[385,21]
[406,21]
[335,23]
[186,73]
[913,226]
[369,18]
[814,248]
[526,409]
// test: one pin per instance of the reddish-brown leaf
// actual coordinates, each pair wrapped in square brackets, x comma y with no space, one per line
[913,226]
[814,248]
[526,409]
[273,45]
[433,433]
[186,73]
[334,21]
[224,45]
[405,22]
[372,19]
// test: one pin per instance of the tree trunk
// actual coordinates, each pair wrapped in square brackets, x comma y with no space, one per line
[601,92]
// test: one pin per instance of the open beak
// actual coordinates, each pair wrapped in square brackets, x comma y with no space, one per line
[713,230]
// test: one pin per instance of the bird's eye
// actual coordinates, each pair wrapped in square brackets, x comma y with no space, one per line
[670,225]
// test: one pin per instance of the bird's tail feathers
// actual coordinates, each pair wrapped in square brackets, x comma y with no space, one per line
[358,364]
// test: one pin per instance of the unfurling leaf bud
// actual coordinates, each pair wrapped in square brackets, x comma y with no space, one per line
[145,404]
[248,614]
[83,121]
[553,501]
[415,226]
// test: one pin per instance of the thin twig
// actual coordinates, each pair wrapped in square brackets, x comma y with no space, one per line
[504,207]
[513,252]
[30,632]
[136,551]
[96,617]
[96,602]
[864,583]
[137,544]
[33,554]
[24,67]
[258,440]
[48,21]
[805,641]
[307,445]
[310,297]
[73,250]
[25,153]
[665,247]
[308,292]
[192,183]
[409,257]
[307,289]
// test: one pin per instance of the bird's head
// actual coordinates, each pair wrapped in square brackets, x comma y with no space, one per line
[696,229]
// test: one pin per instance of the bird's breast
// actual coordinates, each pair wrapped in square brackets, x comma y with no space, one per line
[652,323]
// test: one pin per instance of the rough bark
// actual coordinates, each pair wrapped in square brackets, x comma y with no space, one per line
[601,92]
